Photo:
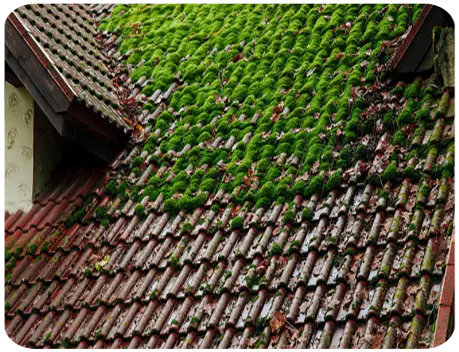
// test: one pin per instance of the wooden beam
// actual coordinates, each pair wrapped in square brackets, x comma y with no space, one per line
[83,136]
[96,123]
[53,117]
[11,78]
[68,127]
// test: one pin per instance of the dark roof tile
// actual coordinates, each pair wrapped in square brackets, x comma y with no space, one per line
[359,265]
[66,36]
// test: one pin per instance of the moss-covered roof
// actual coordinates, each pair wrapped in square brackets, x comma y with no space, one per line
[269,83]
[280,189]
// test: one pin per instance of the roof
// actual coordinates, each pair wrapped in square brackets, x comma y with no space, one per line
[64,39]
[279,192]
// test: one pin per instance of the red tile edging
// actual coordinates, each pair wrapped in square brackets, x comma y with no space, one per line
[447,307]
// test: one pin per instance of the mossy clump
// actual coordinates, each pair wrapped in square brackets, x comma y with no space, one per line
[334,182]
[315,186]
[122,191]
[289,218]
[171,206]
[110,188]
[174,261]
[186,228]
[137,161]
[399,138]
[100,213]
[139,210]
[237,224]
[411,173]
[413,90]
[307,214]
[77,217]
[390,173]
[276,249]
[281,87]
[44,247]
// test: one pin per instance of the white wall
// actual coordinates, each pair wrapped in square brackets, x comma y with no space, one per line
[19,126]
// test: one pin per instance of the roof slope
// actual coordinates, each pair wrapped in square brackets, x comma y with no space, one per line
[280,192]
[63,37]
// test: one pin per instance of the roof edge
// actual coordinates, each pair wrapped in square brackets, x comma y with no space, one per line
[443,326]
[410,36]
[41,56]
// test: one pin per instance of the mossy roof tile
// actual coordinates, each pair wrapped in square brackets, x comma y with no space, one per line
[277,207]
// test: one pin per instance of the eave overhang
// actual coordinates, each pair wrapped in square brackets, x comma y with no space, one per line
[72,119]
[418,42]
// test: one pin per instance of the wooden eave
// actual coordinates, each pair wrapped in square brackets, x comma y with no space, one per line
[31,66]
[418,41]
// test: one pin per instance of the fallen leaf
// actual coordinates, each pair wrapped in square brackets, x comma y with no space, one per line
[277,321]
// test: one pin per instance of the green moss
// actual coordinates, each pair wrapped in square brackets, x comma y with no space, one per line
[31,249]
[294,245]
[315,186]
[45,246]
[110,188]
[122,190]
[237,224]
[289,218]
[411,173]
[215,208]
[413,90]
[406,115]
[139,210]
[105,223]
[137,161]
[390,173]
[186,228]
[399,138]
[334,182]
[100,212]
[174,261]
[296,57]
[307,214]
[276,249]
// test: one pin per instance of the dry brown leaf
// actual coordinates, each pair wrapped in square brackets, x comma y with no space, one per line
[277,321]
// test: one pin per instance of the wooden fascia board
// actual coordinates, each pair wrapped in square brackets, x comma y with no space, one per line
[11,78]
[96,123]
[54,118]
[82,135]
[66,125]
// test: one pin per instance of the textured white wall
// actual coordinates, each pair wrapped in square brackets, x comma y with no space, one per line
[19,125]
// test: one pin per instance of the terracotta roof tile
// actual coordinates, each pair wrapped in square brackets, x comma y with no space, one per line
[358,265]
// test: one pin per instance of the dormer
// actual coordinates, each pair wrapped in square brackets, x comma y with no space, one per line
[60,98]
